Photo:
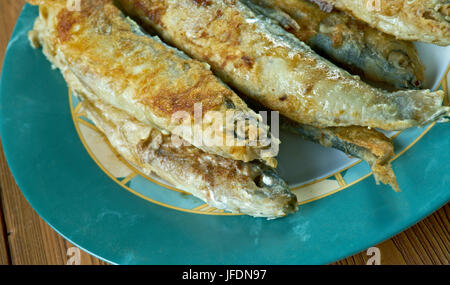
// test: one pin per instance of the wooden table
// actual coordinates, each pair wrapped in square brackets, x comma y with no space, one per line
[26,239]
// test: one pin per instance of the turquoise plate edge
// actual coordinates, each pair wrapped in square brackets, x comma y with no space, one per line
[78,200]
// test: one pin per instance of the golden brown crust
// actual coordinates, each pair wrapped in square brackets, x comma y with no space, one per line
[377,144]
[284,74]
[66,19]
[154,13]
[398,58]
[221,182]
[141,75]
[170,101]
[425,20]
[197,86]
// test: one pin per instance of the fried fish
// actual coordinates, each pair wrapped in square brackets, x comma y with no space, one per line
[250,188]
[263,61]
[363,50]
[149,80]
[414,20]
[367,144]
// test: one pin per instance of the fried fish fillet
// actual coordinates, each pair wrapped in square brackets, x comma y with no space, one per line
[414,20]
[250,188]
[149,80]
[263,61]
[363,50]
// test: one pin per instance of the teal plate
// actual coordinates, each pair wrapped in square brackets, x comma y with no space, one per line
[69,190]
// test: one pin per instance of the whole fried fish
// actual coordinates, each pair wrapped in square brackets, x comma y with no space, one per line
[151,81]
[363,50]
[263,61]
[414,20]
[250,188]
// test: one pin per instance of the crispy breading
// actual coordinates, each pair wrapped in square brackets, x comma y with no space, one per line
[350,43]
[367,144]
[141,75]
[413,20]
[285,74]
[250,188]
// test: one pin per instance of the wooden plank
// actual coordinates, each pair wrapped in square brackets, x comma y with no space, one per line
[30,239]
[24,237]
[9,10]
[428,242]
[4,249]
[390,255]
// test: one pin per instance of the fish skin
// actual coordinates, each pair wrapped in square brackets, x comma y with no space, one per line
[261,60]
[251,188]
[367,144]
[376,56]
[425,21]
[141,75]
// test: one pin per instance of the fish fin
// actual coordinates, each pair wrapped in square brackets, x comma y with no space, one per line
[442,116]
[385,174]
[377,150]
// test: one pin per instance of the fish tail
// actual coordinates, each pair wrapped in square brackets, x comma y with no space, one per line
[444,115]
[385,174]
